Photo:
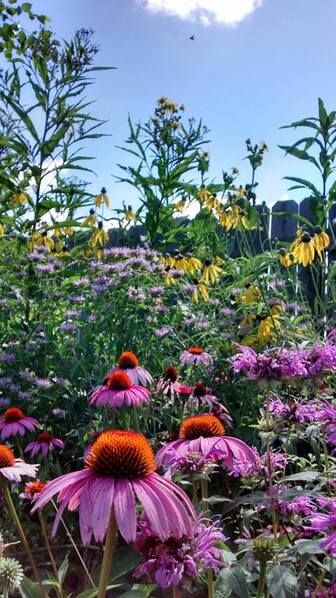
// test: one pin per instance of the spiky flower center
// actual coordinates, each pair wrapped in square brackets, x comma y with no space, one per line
[128,360]
[201,425]
[121,454]
[33,488]
[200,390]
[7,457]
[119,381]
[12,415]
[44,437]
[171,374]
[196,350]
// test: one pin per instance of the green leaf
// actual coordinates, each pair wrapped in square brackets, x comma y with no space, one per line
[63,569]
[282,581]
[29,589]
[304,183]
[233,579]
[26,6]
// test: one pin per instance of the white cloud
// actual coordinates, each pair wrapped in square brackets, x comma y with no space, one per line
[207,12]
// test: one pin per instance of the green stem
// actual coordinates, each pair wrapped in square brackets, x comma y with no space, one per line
[12,510]
[210,583]
[75,548]
[205,496]
[110,544]
[48,547]
[262,580]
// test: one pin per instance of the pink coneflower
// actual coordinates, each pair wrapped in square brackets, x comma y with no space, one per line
[168,384]
[44,444]
[13,469]
[129,363]
[120,470]
[196,356]
[14,422]
[118,391]
[202,396]
[200,434]
[32,490]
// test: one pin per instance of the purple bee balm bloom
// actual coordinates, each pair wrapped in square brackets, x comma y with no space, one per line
[14,422]
[321,359]
[5,402]
[201,434]
[120,471]
[283,364]
[67,327]
[13,469]
[168,563]
[7,357]
[326,523]
[129,363]
[44,444]
[57,412]
[119,391]
[164,331]
[196,356]
[299,505]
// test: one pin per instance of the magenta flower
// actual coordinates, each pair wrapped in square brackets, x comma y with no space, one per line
[200,434]
[283,364]
[44,444]
[129,363]
[13,469]
[120,470]
[196,356]
[321,359]
[201,396]
[14,422]
[326,523]
[168,384]
[119,391]
[169,562]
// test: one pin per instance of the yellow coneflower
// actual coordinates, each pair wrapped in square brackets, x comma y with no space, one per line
[168,277]
[251,295]
[180,205]
[193,264]
[2,230]
[303,249]
[19,198]
[168,260]
[204,196]
[286,259]
[200,289]
[267,329]
[240,192]
[181,262]
[91,220]
[211,272]
[68,230]
[234,217]
[130,215]
[321,240]
[57,232]
[102,198]
[46,241]
[99,237]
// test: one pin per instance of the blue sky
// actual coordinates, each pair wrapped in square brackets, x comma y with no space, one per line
[244,80]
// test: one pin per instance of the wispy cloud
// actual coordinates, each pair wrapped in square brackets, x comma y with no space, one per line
[207,12]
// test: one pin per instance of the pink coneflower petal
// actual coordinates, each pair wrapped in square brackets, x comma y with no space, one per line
[124,509]
[103,495]
[154,510]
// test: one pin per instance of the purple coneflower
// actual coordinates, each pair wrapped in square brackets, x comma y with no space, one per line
[13,469]
[14,422]
[200,434]
[168,384]
[118,390]
[129,362]
[120,470]
[196,356]
[44,444]
[32,490]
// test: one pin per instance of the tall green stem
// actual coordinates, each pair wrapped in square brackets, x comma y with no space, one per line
[262,580]
[110,544]
[48,547]
[15,517]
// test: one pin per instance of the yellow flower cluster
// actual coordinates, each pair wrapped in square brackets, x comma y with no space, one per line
[208,272]
[19,198]
[305,248]
[102,199]
[40,239]
[90,221]
[229,217]
[267,328]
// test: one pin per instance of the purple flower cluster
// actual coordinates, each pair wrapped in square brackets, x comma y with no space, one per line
[295,411]
[168,563]
[285,364]
[326,523]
